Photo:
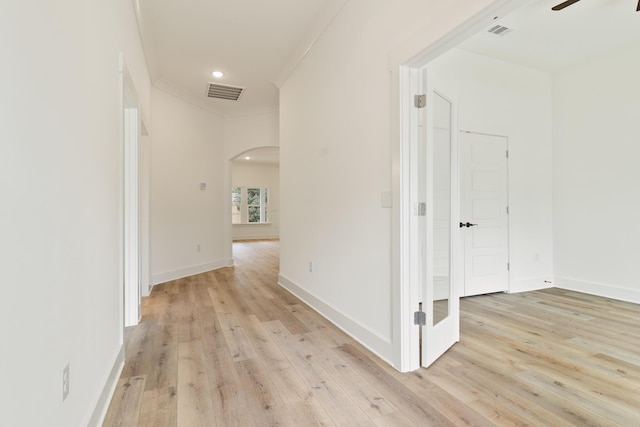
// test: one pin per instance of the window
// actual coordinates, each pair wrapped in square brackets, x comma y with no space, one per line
[257,199]
[249,205]
[235,206]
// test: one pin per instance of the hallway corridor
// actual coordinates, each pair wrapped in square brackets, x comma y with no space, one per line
[232,348]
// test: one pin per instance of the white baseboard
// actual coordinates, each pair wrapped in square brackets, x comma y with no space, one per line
[600,289]
[526,284]
[104,399]
[190,271]
[382,347]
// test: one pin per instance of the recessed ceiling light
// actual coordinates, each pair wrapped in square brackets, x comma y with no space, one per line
[247,158]
[217,74]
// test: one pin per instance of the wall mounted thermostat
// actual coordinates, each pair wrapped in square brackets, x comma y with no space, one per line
[203,186]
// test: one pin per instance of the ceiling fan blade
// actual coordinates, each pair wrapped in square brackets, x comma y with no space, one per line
[564,4]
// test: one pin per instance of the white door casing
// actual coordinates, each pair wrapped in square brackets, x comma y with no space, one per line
[484,220]
[131,205]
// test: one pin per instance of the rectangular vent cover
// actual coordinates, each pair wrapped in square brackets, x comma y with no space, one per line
[499,30]
[219,91]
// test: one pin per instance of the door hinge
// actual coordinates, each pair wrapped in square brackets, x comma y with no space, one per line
[419,318]
[507,210]
[508,267]
[420,101]
[507,154]
[420,209]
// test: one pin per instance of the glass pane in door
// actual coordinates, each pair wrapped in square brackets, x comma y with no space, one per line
[441,207]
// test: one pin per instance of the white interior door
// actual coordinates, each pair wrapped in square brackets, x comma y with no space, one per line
[484,220]
[440,300]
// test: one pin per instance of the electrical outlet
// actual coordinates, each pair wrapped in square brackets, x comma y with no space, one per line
[198,248]
[310,267]
[65,382]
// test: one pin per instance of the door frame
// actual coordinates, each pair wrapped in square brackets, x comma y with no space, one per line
[134,190]
[131,143]
[405,63]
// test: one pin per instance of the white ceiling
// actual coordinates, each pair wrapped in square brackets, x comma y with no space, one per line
[256,43]
[552,40]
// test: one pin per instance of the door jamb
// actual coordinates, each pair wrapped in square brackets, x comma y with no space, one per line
[130,196]
[406,64]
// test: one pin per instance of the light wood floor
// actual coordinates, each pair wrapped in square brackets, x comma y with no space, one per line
[231,348]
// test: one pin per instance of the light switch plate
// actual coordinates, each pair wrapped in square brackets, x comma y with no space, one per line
[386,200]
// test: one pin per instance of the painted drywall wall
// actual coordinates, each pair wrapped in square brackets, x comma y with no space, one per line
[245,132]
[60,217]
[499,98]
[335,161]
[186,222]
[596,174]
[258,176]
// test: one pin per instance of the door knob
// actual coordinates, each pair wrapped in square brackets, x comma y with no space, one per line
[462,224]
[468,224]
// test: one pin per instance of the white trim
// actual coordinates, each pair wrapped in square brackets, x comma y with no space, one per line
[599,289]
[131,144]
[405,246]
[314,31]
[190,271]
[130,221]
[380,346]
[104,399]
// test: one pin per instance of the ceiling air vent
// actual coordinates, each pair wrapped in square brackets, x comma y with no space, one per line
[219,91]
[499,30]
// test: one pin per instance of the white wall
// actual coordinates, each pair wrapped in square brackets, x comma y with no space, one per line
[60,217]
[194,145]
[596,175]
[245,132]
[336,112]
[258,176]
[499,98]
[187,150]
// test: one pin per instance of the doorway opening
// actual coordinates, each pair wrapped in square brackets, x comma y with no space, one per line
[433,266]
[254,195]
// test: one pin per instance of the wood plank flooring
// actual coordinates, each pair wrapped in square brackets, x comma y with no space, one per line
[232,348]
